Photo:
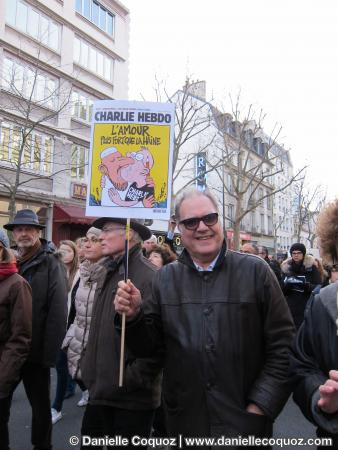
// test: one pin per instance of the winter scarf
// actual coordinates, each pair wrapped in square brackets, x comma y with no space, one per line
[7,269]
[23,257]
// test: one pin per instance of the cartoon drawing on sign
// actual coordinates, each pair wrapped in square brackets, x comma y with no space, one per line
[111,164]
[126,180]
[141,188]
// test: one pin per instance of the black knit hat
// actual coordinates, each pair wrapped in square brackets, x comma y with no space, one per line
[298,247]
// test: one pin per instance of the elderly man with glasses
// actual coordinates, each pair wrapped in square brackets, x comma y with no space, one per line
[223,324]
[112,410]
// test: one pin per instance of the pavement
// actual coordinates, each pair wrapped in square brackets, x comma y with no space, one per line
[290,423]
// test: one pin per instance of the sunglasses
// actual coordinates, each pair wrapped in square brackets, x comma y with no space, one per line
[193,223]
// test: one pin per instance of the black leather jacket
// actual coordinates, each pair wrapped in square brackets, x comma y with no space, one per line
[226,336]
[315,353]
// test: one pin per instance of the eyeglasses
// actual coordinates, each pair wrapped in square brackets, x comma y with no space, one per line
[137,156]
[111,229]
[296,253]
[193,223]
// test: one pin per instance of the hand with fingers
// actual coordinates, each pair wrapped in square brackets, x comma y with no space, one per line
[127,299]
[148,201]
[328,391]
[150,181]
[114,196]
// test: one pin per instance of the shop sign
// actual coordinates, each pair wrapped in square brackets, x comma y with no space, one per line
[79,191]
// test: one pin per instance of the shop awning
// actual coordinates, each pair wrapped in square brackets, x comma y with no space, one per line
[243,236]
[71,214]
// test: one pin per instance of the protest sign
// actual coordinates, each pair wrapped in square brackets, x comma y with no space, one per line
[130,161]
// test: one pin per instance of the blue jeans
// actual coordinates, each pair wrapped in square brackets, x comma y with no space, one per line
[61,381]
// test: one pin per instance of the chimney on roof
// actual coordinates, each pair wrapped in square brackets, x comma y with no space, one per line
[196,88]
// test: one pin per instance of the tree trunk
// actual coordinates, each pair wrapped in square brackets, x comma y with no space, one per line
[237,232]
[12,206]
[237,222]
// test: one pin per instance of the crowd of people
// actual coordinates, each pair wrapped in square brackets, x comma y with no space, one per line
[212,347]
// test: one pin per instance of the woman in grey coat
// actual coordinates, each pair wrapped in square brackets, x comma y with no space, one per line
[92,274]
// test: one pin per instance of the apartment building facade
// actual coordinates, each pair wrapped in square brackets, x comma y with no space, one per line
[283,206]
[220,144]
[56,57]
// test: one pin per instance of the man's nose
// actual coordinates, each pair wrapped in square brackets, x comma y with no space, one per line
[202,226]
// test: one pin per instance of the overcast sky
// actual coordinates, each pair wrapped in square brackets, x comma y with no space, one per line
[283,56]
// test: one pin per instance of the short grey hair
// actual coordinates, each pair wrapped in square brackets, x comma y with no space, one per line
[189,193]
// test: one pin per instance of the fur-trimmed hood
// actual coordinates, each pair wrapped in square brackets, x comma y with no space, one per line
[308,262]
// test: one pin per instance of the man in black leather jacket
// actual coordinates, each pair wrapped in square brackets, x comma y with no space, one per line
[224,326]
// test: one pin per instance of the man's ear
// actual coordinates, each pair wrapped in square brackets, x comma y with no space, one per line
[103,169]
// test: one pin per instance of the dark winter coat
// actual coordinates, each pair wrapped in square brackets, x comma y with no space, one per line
[276,270]
[46,275]
[226,336]
[15,330]
[315,353]
[101,361]
[297,295]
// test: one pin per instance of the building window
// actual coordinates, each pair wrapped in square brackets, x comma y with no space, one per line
[231,214]
[29,21]
[37,149]
[4,143]
[270,227]
[262,223]
[21,80]
[253,220]
[260,195]
[96,13]
[79,162]
[92,59]
[230,185]
[269,202]
[82,106]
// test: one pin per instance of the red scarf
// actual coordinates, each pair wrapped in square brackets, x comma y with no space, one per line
[7,269]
